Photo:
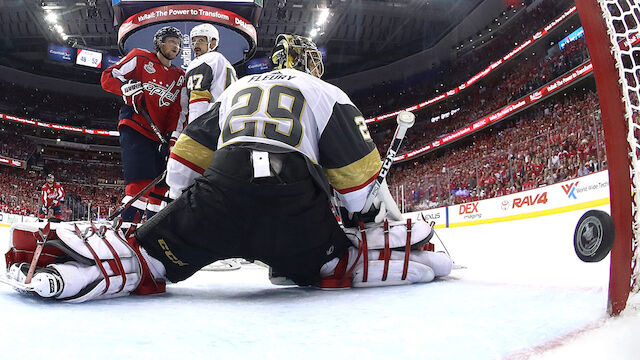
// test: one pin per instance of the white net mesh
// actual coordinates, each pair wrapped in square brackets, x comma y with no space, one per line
[622,18]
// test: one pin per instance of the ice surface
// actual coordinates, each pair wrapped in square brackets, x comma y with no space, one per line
[524,294]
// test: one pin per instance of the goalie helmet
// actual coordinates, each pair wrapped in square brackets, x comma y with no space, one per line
[163,33]
[207,30]
[297,52]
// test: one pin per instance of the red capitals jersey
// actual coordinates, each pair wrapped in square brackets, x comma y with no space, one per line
[163,91]
[51,195]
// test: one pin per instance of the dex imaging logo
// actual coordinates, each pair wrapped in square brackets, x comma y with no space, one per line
[570,190]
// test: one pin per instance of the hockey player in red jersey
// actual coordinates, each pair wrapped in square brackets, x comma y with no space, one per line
[147,81]
[251,179]
[51,196]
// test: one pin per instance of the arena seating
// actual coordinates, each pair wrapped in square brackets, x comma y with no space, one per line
[15,146]
[488,96]
[58,108]
[559,140]
[385,97]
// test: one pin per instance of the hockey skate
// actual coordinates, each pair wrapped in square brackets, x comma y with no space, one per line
[223,265]
[46,282]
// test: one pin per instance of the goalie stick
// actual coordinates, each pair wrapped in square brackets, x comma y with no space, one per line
[41,237]
[405,120]
[153,125]
[433,228]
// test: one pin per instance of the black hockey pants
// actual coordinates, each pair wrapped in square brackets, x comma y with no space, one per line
[284,221]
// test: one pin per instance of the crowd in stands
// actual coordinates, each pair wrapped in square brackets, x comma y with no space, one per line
[59,108]
[14,145]
[560,139]
[387,96]
[556,141]
[90,173]
[487,97]
[20,191]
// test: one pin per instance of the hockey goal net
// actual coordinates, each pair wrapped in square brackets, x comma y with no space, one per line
[612,31]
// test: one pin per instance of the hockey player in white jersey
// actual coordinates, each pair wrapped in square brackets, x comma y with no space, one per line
[209,73]
[207,77]
[251,179]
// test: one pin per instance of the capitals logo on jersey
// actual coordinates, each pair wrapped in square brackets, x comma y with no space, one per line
[166,94]
[163,91]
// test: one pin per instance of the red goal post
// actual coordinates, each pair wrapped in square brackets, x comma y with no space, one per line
[612,29]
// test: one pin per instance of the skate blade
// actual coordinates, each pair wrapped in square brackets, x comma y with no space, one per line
[17,286]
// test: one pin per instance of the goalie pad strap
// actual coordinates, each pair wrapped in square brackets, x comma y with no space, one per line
[386,253]
[365,251]
[407,251]
[96,258]
[421,234]
[148,284]
[118,269]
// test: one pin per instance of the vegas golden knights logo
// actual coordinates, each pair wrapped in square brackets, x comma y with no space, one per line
[169,254]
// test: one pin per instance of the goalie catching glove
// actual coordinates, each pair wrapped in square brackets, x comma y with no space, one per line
[81,262]
[132,94]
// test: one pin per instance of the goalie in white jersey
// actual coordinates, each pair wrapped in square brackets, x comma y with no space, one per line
[251,179]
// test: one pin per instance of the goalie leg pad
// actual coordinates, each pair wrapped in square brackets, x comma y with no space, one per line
[386,267]
[422,267]
[398,232]
[415,273]
[92,262]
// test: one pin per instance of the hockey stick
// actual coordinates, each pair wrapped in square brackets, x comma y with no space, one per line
[153,125]
[137,196]
[41,237]
[432,224]
[405,120]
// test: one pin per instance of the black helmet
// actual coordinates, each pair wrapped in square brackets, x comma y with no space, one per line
[163,33]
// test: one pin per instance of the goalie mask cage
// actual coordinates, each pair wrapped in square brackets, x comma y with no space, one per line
[612,31]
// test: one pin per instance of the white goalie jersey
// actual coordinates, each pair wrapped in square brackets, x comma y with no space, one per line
[291,110]
[207,77]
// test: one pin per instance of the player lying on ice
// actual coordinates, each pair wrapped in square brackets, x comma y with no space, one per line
[249,180]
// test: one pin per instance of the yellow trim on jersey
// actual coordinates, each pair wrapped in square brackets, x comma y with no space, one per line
[356,174]
[197,95]
[193,151]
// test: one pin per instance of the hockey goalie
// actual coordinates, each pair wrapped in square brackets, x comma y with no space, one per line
[250,179]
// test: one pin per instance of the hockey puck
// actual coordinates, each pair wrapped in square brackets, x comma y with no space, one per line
[593,237]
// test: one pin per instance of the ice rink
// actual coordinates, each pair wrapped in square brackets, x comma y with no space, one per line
[524,294]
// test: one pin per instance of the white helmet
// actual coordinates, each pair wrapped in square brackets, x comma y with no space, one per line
[207,30]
